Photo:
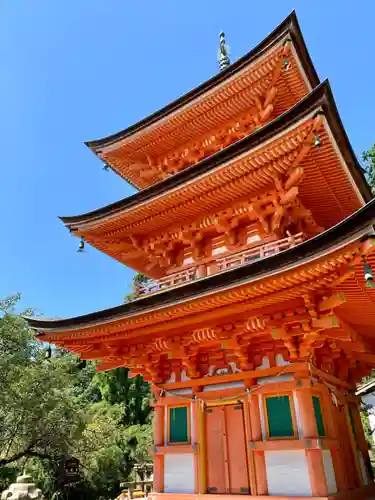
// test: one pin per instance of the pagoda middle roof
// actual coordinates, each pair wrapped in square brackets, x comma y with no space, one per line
[357,227]
[334,184]
[220,96]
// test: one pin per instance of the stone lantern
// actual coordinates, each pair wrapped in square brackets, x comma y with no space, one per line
[22,489]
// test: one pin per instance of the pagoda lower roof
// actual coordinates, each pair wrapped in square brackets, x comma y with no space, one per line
[333,185]
[212,104]
[255,280]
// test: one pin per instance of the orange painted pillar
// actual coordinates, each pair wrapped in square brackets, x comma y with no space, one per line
[358,440]
[361,439]
[201,271]
[353,444]
[315,462]
[195,442]
[250,454]
[202,447]
[346,448]
[333,432]
[158,428]
[256,435]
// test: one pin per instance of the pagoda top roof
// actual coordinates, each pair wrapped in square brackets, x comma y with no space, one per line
[107,147]
[355,227]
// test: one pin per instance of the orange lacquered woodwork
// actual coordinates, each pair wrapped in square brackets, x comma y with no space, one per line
[256,230]
[217,474]
[227,469]
[237,453]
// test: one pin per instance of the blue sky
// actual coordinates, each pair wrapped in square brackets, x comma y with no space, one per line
[73,70]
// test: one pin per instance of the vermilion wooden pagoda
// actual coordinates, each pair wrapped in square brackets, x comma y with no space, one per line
[255,222]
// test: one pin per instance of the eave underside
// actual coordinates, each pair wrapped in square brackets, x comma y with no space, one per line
[319,306]
[279,162]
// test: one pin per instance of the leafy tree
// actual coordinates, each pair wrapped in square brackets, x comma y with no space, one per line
[38,416]
[368,158]
[55,408]
[139,280]
[132,394]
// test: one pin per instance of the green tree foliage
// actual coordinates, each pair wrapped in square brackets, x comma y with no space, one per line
[58,407]
[132,394]
[38,416]
[368,158]
[139,279]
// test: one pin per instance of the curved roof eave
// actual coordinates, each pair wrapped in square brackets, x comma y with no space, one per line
[320,96]
[290,24]
[348,228]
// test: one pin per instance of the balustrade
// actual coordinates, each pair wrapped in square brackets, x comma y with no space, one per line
[221,264]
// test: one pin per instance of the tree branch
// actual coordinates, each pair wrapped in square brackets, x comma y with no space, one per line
[25,453]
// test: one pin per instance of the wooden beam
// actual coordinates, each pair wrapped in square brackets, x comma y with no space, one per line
[325,322]
[335,300]
[252,374]
[331,378]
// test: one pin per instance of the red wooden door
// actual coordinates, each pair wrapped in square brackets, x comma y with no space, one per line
[237,454]
[227,470]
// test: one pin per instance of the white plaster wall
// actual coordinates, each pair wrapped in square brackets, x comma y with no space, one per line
[179,473]
[362,467]
[193,437]
[265,363]
[253,238]
[287,473]
[330,472]
[180,392]
[221,387]
[280,361]
[298,415]
[272,380]
[262,421]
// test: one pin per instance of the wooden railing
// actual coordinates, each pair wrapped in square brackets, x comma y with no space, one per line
[260,252]
[221,264]
[167,282]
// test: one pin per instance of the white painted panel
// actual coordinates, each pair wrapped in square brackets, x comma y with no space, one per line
[272,380]
[298,415]
[280,361]
[193,437]
[172,378]
[179,473]
[362,467]
[234,367]
[330,472]
[253,238]
[184,376]
[220,387]
[287,473]
[180,392]
[217,250]
[265,363]
[262,422]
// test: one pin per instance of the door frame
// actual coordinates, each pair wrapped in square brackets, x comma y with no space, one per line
[246,422]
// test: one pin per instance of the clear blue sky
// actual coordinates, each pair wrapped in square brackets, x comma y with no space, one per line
[73,70]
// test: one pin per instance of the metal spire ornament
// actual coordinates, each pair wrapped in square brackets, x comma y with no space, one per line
[224,53]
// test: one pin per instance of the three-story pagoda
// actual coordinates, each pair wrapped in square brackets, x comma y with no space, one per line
[254,222]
